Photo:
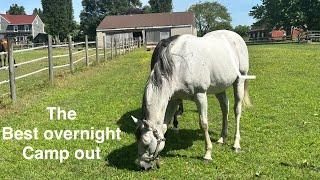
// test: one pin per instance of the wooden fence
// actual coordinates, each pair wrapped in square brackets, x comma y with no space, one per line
[113,50]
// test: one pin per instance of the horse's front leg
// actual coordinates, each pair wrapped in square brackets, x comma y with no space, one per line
[224,105]
[202,105]
[170,112]
[238,87]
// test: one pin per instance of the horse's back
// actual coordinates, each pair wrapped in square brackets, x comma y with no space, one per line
[237,43]
[204,64]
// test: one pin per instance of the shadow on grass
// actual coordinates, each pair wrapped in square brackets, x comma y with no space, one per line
[124,157]
[301,166]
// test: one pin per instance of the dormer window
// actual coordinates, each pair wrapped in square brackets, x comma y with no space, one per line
[15,28]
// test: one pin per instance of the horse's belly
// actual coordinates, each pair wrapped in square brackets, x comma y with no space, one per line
[216,89]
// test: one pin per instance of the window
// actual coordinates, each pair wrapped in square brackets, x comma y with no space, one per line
[26,28]
[15,28]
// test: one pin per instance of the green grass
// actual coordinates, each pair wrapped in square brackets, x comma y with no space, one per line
[280,134]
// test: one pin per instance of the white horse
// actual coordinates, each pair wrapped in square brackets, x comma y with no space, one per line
[189,67]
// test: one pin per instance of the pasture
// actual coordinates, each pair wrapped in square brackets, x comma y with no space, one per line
[279,134]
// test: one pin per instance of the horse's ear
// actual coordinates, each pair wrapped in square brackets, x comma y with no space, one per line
[135,120]
[146,124]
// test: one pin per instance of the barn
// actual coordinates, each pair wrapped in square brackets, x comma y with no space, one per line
[151,28]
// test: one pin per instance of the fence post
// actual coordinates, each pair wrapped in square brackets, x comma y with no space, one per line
[70,53]
[115,46]
[104,48]
[97,50]
[128,45]
[139,43]
[111,38]
[122,45]
[50,60]
[86,49]
[13,91]
[132,44]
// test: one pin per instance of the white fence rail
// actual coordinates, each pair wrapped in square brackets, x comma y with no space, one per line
[114,50]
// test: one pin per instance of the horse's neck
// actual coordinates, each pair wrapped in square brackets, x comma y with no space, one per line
[156,99]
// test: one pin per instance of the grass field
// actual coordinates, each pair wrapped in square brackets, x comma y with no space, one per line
[280,134]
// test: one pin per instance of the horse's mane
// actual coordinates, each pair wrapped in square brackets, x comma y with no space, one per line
[161,61]
[161,65]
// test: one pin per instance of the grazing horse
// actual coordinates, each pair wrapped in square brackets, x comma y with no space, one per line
[3,48]
[189,68]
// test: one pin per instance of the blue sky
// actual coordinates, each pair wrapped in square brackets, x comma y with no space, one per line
[238,9]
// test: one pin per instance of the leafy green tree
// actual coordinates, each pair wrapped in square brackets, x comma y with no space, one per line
[95,10]
[39,12]
[286,13]
[210,16]
[58,17]
[242,30]
[159,6]
[146,9]
[15,9]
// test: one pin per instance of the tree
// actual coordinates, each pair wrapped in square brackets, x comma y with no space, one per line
[286,13]
[39,12]
[210,16]
[242,30]
[95,10]
[159,6]
[15,9]
[146,9]
[58,17]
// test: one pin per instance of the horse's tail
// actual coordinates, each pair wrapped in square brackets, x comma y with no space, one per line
[246,99]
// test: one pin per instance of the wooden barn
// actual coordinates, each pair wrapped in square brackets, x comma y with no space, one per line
[151,28]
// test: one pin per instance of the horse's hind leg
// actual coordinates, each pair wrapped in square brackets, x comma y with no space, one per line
[224,105]
[180,109]
[238,87]
[175,118]
[175,123]
[202,105]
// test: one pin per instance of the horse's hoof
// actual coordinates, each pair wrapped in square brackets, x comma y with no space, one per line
[207,161]
[221,141]
[237,150]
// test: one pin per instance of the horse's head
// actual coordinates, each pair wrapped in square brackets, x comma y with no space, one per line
[150,143]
